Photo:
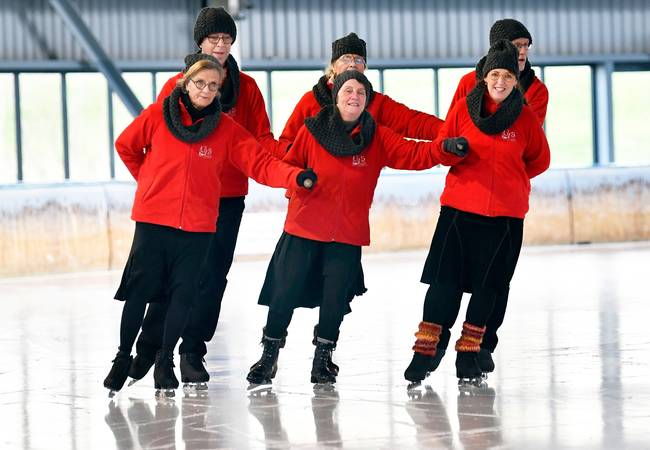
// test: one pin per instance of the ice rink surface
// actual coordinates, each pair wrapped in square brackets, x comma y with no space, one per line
[572,366]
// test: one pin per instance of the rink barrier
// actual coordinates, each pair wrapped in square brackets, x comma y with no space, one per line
[86,226]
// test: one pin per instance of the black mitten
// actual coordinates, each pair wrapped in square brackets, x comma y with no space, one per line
[307,178]
[457,146]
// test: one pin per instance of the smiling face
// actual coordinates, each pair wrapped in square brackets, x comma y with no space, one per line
[203,87]
[500,83]
[351,100]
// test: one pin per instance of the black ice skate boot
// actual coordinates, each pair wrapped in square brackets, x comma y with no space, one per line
[193,373]
[118,373]
[320,373]
[164,377]
[424,357]
[331,366]
[263,371]
[485,361]
[145,357]
[468,370]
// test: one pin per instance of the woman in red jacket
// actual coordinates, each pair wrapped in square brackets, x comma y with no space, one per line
[348,149]
[214,33]
[176,152]
[349,53]
[482,211]
[536,96]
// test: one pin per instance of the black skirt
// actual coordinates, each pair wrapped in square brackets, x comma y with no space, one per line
[471,251]
[163,262]
[312,293]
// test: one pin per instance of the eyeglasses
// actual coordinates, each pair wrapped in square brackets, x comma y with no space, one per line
[225,38]
[522,46]
[200,85]
[347,59]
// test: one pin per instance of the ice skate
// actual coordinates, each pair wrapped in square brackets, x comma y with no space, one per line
[263,371]
[485,362]
[140,366]
[331,366]
[467,369]
[118,374]
[193,373]
[320,372]
[164,378]
[421,366]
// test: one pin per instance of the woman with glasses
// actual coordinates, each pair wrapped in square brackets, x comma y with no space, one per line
[325,230]
[214,32]
[176,151]
[483,205]
[349,53]
[535,96]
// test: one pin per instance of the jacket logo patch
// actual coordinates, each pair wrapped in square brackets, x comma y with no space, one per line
[205,152]
[508,135]
[359,161]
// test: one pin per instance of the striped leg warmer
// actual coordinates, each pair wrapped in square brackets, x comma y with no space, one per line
[470,338]
[427,338]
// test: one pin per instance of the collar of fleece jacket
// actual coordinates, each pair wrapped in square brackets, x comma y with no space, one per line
[329,130]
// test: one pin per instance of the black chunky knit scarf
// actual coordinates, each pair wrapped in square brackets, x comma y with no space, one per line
[526,77]
[196,131]
[230,87]
[502,119]
[329,130]
[323,93]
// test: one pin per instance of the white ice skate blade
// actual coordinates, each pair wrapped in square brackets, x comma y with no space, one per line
[259,388]
[165,393]
[201,386]
[132,381]
[324,387]
[474,381]
[111,393]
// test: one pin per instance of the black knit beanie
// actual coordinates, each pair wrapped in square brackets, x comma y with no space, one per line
[508,29]
[213,20]
[193,58]
[502,55]
[350,44]
[349,75]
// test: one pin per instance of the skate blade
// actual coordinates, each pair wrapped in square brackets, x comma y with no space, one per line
[325,387]
[112,393]
[484,376]
[132,381]
[473,381]
[165,393]
[201,386]
[256,389]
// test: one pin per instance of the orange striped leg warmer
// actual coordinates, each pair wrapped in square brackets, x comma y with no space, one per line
[427,338]
[470,338]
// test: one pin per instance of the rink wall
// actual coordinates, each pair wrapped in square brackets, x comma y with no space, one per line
[75,226]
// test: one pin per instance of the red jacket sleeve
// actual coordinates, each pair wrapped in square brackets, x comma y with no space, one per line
[400,153]
[258,124]
[538,100]
[168,87]
[408,122]
[133,142]
[537,155]
[449,130]
[252,159]
[297,119]
[465,85]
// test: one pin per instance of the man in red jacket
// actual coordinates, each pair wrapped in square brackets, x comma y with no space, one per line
[536,96]
[535,91]
[214,33]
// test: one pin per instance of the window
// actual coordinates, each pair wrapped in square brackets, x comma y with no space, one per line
[287,89]
[8,168]
[631,98]
[448,80]
[412,87]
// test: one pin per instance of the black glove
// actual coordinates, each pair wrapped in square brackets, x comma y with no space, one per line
[307,178]
[457,146]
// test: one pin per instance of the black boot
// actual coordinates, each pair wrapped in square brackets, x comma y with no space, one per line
[422,365]
[193,371]
[263,371]
[485,361]
[141,365]
[163,374]
[467,368]
[331,366]
[118,373]
[320,373]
